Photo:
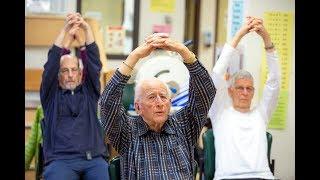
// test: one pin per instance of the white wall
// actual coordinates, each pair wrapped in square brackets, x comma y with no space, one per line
[283,147]
[207,24]
[149,18]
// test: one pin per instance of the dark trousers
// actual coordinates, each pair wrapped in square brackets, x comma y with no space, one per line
[73,169]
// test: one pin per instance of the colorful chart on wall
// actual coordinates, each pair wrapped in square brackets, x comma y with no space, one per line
[280,27]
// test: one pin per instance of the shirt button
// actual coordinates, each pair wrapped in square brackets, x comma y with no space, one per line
[74,114]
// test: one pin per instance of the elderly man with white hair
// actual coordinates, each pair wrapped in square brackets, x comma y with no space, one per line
[239,130]
[156,144]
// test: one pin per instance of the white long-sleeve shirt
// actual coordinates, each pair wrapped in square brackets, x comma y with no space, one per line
[240,138]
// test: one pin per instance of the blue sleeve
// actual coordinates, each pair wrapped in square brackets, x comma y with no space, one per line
[49,82]
[91,68]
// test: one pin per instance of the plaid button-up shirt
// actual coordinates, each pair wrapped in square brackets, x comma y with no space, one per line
[146,154]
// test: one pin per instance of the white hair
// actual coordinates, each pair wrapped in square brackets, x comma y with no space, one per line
[140,84]
[241,74]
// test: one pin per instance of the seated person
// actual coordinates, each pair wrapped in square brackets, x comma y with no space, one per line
[239,130]
[155,144]
[73,141]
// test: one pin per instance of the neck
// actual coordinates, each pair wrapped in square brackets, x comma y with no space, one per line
[243,110]
[155,127]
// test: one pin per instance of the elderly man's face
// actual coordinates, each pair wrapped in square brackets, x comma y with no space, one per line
[154,103]
[242,93]
[69,74]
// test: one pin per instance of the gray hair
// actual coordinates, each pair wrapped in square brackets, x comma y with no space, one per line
[139,85]
[241,74]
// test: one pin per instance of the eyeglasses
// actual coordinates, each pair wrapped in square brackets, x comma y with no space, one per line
[153,98]
[66,71]
[241,89]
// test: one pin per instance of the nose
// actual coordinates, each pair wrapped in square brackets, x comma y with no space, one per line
[159,101]
[70,73]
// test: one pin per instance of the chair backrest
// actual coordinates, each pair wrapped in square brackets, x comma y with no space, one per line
[210,153]
[128,96]
[269,139]
[114,168]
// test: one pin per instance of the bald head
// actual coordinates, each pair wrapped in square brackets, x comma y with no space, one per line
[148,83]
[67,58]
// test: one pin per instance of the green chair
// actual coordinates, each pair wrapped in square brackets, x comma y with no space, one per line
[209,154]
[128,96]
[114,168]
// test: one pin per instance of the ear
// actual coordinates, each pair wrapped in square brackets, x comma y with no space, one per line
[137,107]
[230,91]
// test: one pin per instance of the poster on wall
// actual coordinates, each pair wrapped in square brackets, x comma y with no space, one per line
[166,6]
[279,26]
[115,36]
[236,9]
[161,28]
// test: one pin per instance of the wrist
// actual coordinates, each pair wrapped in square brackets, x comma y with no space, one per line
[191,58]
[269,46]
[82,46]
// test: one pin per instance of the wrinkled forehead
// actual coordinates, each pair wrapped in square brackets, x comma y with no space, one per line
[68,61]
[154,86]
[244,82]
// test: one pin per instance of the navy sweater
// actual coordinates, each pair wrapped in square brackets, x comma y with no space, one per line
[71,128]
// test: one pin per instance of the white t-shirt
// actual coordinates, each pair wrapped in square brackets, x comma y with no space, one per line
[240,138]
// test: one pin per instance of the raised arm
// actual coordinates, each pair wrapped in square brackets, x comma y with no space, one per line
[201,88]
[228,54]
[113,114]
[51,68]
[272,87]
[89,53]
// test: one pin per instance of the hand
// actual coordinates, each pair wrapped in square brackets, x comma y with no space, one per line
[71,19]
[142,51]
[161,40]
[70,36]
[75,31]
[260,29]
[79,21]
[247,26]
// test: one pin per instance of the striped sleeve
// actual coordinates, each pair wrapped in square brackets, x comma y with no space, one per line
[113,114]
[202,91]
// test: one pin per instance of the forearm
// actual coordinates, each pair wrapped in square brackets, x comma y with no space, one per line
[50,73]
[236,39]
[201,88]
[91,67]
[187,56]
[202,92]
[273,65]
[228,54]
[127,66]
[59,40]
[272,86]
[112,112]
[89,35]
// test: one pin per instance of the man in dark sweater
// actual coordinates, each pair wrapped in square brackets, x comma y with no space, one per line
[73,141]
